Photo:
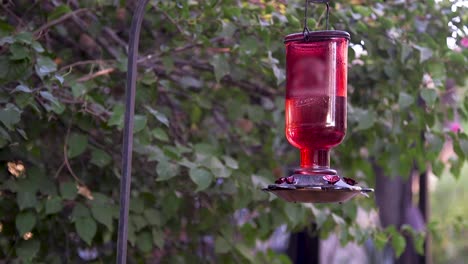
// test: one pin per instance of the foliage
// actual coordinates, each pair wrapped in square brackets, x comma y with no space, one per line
[449,243]
[209,125]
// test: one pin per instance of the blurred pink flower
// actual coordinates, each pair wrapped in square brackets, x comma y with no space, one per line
[464,42]
[455,127]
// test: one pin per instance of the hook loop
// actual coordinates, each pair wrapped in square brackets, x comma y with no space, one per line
[306,30]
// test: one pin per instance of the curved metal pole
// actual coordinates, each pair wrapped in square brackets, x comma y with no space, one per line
[126,178]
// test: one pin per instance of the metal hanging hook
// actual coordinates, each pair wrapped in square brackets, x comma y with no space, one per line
[306,30]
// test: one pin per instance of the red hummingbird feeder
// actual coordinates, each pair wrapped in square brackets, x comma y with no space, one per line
[316,91]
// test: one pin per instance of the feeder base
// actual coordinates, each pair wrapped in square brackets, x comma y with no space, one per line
[314,189]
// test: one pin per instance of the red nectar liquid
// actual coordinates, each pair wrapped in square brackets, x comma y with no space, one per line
[316,84]
[317,122]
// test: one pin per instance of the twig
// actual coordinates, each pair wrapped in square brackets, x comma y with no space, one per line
[11,13]
[143,58]
[100,40]
[59,170]
[65,157]
[247,85]
[111,33]
[31,7]
[85,62]
[175,23]
[193,45]
[319,20]
[112,51]
[96,74]
[59,20]
[10,251]
[115,37]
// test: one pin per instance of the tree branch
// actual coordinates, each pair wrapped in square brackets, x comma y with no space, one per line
[96,74]
[59,20]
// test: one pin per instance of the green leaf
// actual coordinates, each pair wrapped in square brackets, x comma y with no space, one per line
[405,52]
[158,115]
[145,241]
[168,62]
[228,29]
[3,142]
[149,78]
[419,242]
[4,135]
[45,66]
[54,105]
[366,119]
[53,205]
[338,220]
[7,40]
[68,190]
[37,47]
[424,53]
[191,82]
[41,182]
[22,88]
[131,234]
[100,198]
[195,114]
[437,71]
[24,37]
[80,211]
[320,216]
[391,71]
[459,151]
[79,90]
[260,181]
[100,158]
[140,123]
[103,214]
[10,115]
[160,134]
[220,66]
[218,169]
[27,250]
[293,212]
[363,10]
[222,245]
[405,100]
[25,222]
[158,237]
[435,143]
[398,244]
[166,170]
[137,205]
[59,78]
[255,113]
[464,146]
[206,149]
[117,117]
[4,68]
[139,222]
[58,12]
[26,199]
[201,177]
[19,52]
[86,228]
[245,252]
[279,73]
[153,216]
[380,240]
[429,96]
[77,144]
[230,162]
